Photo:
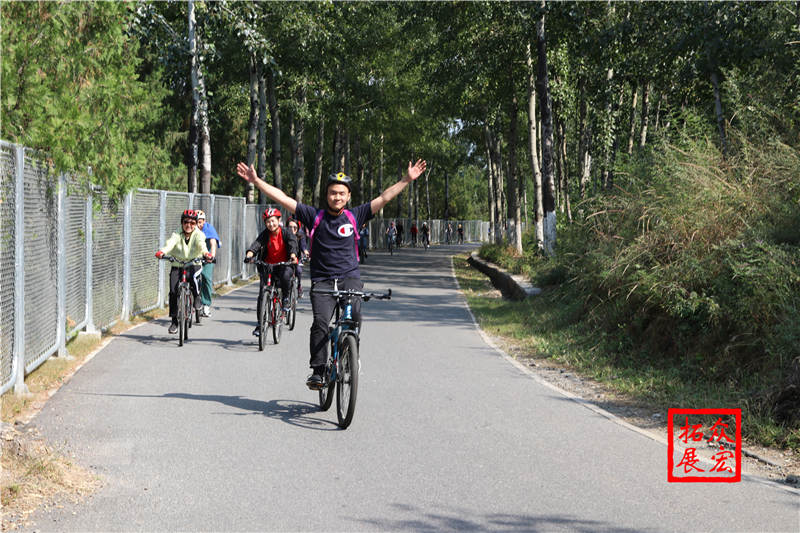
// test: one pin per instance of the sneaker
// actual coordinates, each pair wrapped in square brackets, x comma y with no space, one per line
[299,292]
[257,332]
[173,328]
[315,381]
[206,311]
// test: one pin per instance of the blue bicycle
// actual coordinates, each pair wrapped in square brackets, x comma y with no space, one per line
[341,369]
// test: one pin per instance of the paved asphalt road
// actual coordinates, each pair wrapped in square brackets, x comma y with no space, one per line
[448,434]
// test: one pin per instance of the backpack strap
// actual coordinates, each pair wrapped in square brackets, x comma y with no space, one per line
[352,220]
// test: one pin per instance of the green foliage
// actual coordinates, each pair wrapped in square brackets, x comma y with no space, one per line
[695,262]
[70,89]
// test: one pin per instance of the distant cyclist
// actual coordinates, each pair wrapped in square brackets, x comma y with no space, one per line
[414,232]
[460,234]
[184,245]
[334,247]
[448,233]
[426,235]
[391,235]
[363,241]
[273,245]
[212,243]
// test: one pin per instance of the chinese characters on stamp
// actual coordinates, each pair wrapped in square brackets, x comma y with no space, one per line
[684,463]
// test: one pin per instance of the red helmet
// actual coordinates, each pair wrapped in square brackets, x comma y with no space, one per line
[271,212]
[189,214]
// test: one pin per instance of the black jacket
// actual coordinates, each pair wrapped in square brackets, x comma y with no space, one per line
[259,246]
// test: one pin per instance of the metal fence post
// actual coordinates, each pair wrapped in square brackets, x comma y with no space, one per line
[162,229]
[19,279]
[90,328]
[240,253]
[230,238]
[126,257]
[191,200]
[61,288]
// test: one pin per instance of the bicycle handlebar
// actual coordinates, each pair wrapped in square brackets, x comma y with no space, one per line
[366,296]
[259,262]
[195,261]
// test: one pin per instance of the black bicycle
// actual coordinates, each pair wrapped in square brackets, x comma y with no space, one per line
[270,305]
[185,299]
[291,310]
[341,369]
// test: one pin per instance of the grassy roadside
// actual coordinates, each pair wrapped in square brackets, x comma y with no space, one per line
[553,327]
[35,473]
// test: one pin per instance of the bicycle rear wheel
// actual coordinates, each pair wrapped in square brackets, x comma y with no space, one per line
[347,381]
[262,321]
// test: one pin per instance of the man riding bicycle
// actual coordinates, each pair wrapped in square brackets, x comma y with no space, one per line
[426,234]
[333,241]
[188,244]
[273,245]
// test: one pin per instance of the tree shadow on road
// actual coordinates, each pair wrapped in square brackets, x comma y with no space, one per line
[453,519]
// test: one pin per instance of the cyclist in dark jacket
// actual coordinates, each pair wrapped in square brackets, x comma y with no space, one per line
[334,253]
[273,245]
[302,244]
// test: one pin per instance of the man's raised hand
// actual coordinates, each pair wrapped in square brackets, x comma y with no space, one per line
[246,172]
[416,170]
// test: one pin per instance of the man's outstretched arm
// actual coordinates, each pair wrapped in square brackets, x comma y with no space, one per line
[248,174]
[414,171]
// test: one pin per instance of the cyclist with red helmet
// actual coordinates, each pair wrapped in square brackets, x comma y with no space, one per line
[273,245]
[333,242]
[184,245]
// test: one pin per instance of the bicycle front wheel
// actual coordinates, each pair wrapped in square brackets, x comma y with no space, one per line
[262,321]
[347,381]
[275,319]
[181,316]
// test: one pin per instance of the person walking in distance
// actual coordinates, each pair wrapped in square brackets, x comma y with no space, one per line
[334,247]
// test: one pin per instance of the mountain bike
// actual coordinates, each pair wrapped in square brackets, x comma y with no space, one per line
[185,299]
[270,305]
[341,369]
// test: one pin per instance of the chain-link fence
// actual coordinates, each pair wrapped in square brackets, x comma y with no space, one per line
[71,260]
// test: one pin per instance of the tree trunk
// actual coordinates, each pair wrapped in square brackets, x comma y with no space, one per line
[400,196]
[276,129]
[346,152]
[632,125]
[193,129]
[299,146]
[565,168]
[534,151]
[205,135]
[662,97]
[252,131]
[359,171]
[499,186]
[380,171]
[548,193]
[446,195]
[584,141]
[262,131]
[427,195]
[645,113]
[318,162]
[718,110]
[513,187]
[609,135]
[490,182]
